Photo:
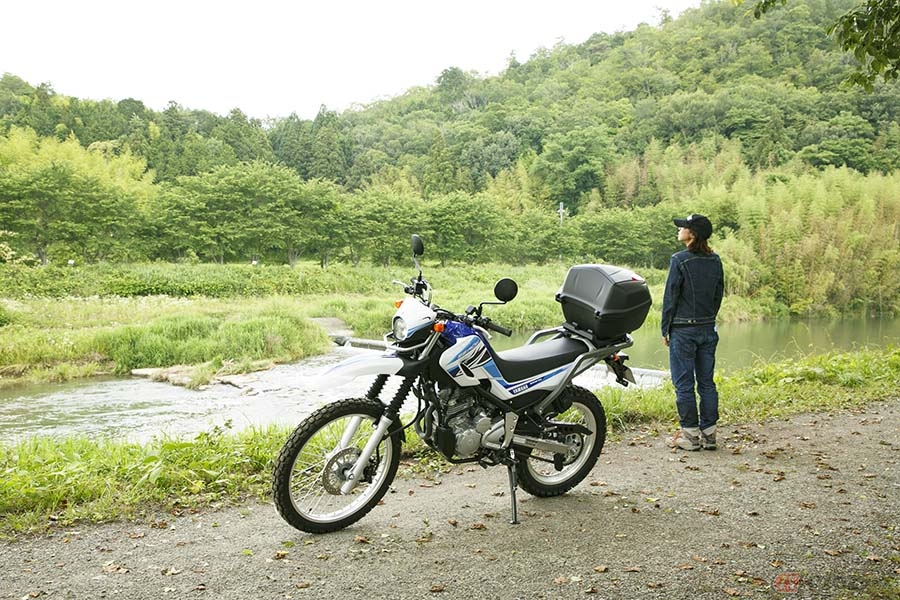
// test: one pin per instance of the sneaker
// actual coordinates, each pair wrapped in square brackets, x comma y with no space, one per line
[708,438]
[686,439]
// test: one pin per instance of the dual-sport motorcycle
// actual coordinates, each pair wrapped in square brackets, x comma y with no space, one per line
[515,407]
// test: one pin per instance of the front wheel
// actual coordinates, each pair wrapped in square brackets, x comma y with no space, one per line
[318,456]
[545,474]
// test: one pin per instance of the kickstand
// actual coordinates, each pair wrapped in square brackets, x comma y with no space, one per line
[513,484]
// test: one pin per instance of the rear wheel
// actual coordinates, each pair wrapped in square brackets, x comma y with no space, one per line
[318,457]
[547,474]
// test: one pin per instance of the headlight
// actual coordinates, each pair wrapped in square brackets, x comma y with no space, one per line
[400,329]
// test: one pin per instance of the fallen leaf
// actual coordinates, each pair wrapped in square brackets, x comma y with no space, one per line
[778,563]
[592,590]
[478,526]
[601,568]
[281,554]
[200,587]
[807,504]
[732,592]
[171,571]
[114,568]
[686,567]
[453,522]
[632,569]
[654,585]
[361,539]
[874,558]
[302,585]
[438,587]
[561,580]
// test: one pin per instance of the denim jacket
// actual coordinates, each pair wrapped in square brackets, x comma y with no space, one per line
[694,290]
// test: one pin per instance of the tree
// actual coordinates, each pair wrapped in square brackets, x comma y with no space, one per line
[307,220]
[573,163]
[60,198]
[245,136]
[871,31]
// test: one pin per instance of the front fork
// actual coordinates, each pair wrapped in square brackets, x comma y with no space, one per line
[391,413]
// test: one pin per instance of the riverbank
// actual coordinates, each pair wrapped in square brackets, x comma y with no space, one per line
[808,501]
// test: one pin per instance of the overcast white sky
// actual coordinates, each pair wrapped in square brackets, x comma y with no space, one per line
[274,57]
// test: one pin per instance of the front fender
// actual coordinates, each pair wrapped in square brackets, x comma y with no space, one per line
[359,366]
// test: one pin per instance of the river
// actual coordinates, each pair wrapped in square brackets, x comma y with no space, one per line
[139,409]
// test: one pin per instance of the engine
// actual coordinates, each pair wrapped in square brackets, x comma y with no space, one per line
[466,418]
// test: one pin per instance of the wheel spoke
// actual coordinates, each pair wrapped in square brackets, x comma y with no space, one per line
[542,465]
[328,456]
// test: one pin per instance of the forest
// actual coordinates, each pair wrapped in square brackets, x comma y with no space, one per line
[581,153]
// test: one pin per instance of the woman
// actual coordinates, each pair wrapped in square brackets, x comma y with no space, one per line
[693,295]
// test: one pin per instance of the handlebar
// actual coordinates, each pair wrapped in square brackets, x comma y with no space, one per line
[469,317]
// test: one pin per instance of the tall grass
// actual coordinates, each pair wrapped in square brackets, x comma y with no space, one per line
[58,339]
[48,480]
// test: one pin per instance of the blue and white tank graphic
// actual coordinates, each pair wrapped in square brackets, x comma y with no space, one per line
[468,361]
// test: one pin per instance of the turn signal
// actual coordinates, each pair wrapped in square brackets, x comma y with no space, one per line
[439,327]
[397,303]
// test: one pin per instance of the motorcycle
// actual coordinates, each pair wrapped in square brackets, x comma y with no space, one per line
[516,408]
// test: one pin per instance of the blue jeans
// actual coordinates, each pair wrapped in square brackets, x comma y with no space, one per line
[692,355]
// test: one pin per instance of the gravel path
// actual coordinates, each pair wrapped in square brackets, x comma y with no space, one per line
[810,503]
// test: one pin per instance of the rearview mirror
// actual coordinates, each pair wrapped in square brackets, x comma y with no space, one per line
[418,247]
[506,289]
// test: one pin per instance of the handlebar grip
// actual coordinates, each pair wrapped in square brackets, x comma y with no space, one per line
[499,329]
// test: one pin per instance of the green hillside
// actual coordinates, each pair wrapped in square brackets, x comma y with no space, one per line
[582,152]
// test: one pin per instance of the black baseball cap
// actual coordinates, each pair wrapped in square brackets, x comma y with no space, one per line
[699,224]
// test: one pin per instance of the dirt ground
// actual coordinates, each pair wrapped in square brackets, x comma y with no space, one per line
[803,508]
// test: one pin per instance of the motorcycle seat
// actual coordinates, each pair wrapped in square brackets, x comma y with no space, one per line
[529,360]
